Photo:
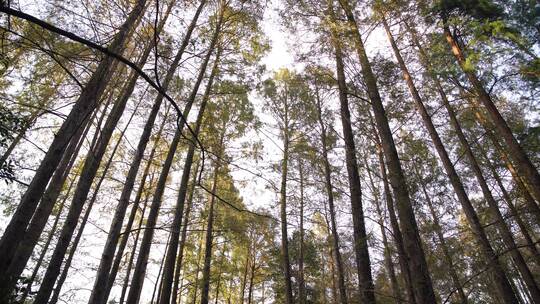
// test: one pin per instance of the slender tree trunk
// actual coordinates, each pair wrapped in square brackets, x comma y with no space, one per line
[532,206]
[208,244]
[286,264]
[183,237]
[45,247]
[158,278]
[421,281]
[244,278]
[251,279]
[168,274]
[363,264]
[447,256]
[136,241]
[387,252]
[39,220]
[301,280]
[522,162]
[330,194]
[140,268]
[135,206]
[396,231]
[218,284]
[196,283]
[84,106]
[524,229]
[89,170]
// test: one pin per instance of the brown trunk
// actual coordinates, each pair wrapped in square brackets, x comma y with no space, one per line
[135,206]
[136,241]
[75,243]
[386,247]
[45,247]
[46,205]
[363,264]
[396,231]
[447,256]
[520,159]
[183,237]
[301,280]
[330,194]
[283,215]
[513,210]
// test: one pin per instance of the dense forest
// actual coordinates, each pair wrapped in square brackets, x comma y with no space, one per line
[269,151]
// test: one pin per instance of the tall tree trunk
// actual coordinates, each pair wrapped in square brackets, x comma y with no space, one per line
[301,279]
[183,237]
[208,244]
[246,269]
[387,254]
[135,242]
[89,170]
[522,162]
[363,264]
[251,279]
[396,231]
[168,274]
[447,256]
[218,284]
[330,195]
[45,247]
[84,106]
[196,283]
[285,260]
[524,229]
[158,278]
[499,278]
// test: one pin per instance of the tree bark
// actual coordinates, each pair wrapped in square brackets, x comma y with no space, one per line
[39,220]
[208,244]
[45,247]
[396,231]
[75,243]
[136,241]
[135,205]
